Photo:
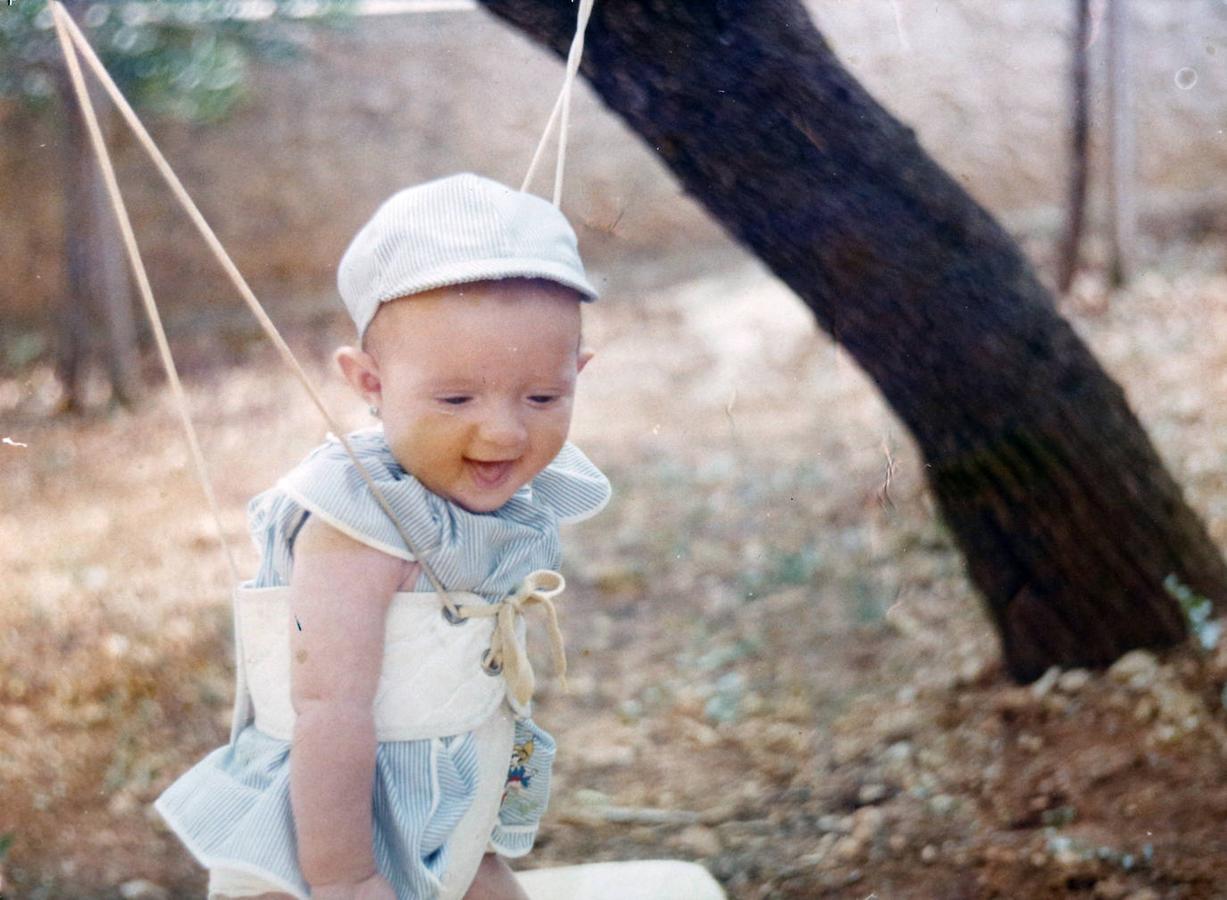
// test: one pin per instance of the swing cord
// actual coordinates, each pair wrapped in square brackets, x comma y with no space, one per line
[142,280]
[563,104]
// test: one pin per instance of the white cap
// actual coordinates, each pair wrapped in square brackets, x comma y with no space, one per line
[456,230]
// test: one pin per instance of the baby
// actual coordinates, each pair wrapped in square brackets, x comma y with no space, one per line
[392,752]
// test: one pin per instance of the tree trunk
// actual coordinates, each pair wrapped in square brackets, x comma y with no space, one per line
[1077,148]
[1066,516]
[111,281]
[97,289]
[1121,159]
[72,311]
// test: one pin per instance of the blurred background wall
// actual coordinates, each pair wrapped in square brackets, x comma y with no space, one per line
[391,100]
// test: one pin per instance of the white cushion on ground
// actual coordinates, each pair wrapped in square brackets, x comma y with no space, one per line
[652,879]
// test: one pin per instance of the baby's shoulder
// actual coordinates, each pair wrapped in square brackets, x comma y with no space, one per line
[350,559]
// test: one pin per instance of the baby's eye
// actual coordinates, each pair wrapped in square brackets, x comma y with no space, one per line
[543,399]
[455,400]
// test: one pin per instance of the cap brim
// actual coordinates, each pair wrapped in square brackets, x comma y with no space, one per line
[471,270]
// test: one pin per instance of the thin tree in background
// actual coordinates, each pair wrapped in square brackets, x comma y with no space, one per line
[97,286]
[1078,162]
[1072,528]
[1122,158]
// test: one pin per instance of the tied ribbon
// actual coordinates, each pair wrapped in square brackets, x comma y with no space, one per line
[539,588]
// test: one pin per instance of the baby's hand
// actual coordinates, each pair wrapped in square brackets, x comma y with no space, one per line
[373,888]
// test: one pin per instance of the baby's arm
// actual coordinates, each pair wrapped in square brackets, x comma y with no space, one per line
[340,590]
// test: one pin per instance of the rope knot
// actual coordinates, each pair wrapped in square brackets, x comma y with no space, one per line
[539,588]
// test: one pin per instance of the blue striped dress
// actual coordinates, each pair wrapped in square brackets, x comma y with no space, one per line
[233,807]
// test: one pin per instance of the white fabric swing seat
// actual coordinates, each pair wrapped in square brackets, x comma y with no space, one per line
[648,879]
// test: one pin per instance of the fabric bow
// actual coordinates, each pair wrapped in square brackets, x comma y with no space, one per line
[538,588]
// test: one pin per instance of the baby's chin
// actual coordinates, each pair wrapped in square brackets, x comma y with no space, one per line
[478,505]
[478,498]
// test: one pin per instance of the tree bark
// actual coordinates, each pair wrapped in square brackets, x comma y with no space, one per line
[1066,516]
[1078,163]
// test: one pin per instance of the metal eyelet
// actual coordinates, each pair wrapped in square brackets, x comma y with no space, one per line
[487,666]
[453,616]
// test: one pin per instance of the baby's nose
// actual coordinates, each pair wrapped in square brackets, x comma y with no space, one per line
[504,429]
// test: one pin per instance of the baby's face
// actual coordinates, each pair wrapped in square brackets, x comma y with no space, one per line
[475,384]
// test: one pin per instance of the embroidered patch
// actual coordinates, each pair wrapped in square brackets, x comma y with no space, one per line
[519,777]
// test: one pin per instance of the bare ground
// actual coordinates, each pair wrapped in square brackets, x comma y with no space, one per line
[780,669]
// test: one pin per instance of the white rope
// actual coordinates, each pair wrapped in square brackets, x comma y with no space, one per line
[562,106]
[65,21]
[138,269]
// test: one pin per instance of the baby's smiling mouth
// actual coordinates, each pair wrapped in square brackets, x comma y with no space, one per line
[490,473]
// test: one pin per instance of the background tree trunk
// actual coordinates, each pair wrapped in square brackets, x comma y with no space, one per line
[1078,163]
[1121,159]
[72,315]
[97,294]
[111,280]
[1067,518]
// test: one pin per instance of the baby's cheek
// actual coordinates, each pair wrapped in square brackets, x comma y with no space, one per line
[552,440]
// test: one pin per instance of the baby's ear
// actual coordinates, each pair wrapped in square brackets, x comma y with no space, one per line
[584,357]
[361,371]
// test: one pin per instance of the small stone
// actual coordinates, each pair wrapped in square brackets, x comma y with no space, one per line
[1073,681]
[590,797]
[1143,894]
[825,844]
[1058,705]
[1032,743]
[942,804]
[898,724]
[701,840]
[1110,889]
[835,824]
[1000,855]
[1137,669]
[866,823]
[871,793]
[141,889]
[898,752]
[848,848]
[609,756]
[1045,683]
[1146,710]
[972,671]
[928,853]
[1067,858]
[1013,700]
